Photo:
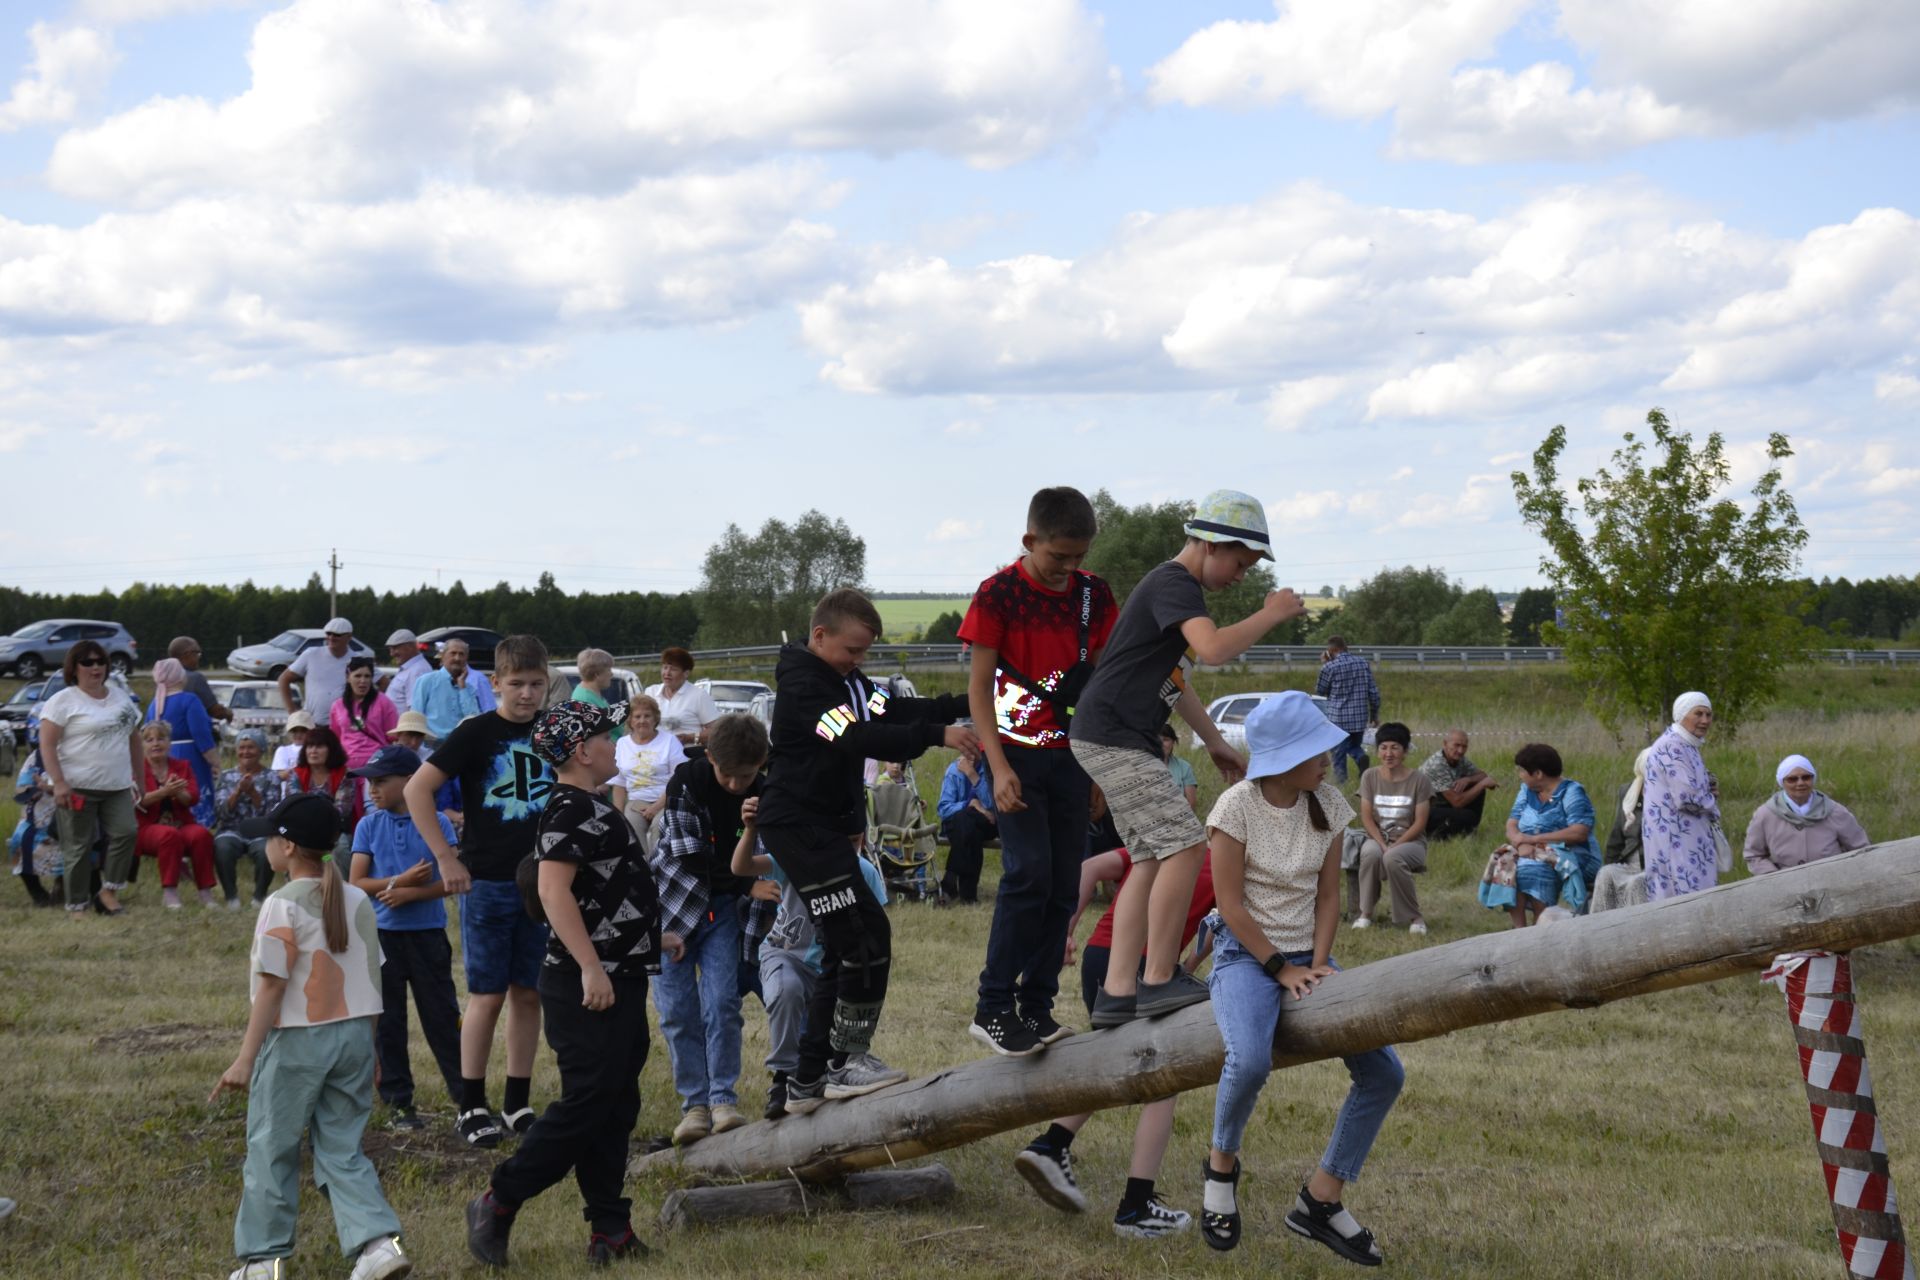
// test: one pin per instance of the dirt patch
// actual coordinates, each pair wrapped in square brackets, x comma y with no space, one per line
[162,1038]
[436,1154]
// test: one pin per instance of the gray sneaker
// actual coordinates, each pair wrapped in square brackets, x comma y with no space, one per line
[863,1073]
[1157,998]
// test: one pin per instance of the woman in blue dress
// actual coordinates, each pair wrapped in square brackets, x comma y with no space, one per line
[1550,841]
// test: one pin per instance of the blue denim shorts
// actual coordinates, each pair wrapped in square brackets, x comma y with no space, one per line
[500,943]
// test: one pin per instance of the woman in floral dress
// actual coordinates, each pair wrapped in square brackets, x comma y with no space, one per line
[1679,809]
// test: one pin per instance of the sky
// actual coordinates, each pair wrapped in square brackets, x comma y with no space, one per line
[476,288]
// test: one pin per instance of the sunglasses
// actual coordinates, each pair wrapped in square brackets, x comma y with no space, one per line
[91,662]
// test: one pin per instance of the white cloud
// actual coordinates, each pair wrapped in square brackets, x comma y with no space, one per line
[964,427]
[15,435]
[70,66]
[572,397]
[1291,404]
[367,98]
[1656,69]
[123,12]
[1897,386]
[954,530]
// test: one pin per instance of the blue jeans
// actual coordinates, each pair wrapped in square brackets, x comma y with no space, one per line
[698,997]
[1041,848]
[1246,1004]
[1350,748]
[501,945]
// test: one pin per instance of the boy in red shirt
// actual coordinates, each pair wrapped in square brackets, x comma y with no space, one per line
[1036,627]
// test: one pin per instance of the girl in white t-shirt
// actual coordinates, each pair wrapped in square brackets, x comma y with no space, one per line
[644,761]
[307,1061]
[1276,841]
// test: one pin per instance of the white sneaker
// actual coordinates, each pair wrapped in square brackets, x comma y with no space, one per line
[1418,928]
[261,1269]
[382,1259]
[1363,923]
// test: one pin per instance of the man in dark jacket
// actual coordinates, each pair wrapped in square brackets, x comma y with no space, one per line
[828,720]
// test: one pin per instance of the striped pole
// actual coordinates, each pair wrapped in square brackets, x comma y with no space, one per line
[1853,1152]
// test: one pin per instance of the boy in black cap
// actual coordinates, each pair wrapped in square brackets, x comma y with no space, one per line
[598,896]
[393,865]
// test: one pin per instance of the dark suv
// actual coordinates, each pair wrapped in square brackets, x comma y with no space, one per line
[40,647]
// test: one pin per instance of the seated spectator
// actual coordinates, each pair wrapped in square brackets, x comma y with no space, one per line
[1799,824]
[1395,800]
[288,754]
[644,760]
[246,795]
[967,821]
[686,710]
[1459,788]
[596,677]
[1182,772]
[1622,881]
[192,730]
[1550,851]
[167,831]
[323,769]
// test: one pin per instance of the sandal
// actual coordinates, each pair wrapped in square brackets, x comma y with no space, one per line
[1314,1220]
[1221,1230]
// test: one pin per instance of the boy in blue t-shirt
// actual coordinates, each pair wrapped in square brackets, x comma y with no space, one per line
[393,866]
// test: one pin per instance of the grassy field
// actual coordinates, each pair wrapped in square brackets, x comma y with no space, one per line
[906,619]
[1664,1136]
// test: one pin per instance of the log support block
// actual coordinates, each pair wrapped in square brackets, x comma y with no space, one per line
[872,1189]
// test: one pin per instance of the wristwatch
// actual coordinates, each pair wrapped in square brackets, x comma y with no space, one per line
[1273,964]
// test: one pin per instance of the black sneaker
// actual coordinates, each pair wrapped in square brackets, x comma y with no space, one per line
[487,1230]
[1150,1221]
[1159,998]
[1005,1034]
[1050,1174]
[478,1128]
[776,1097]
[1112,1011]
[407,1119]
[1044,1028]
[805,1095]
[604,1251]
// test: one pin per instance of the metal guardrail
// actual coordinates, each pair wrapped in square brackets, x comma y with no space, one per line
[1284,655]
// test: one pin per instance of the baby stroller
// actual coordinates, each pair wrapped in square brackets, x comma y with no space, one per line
[899,838]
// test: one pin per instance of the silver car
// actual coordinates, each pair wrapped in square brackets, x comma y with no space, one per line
[1230,715]
[734,695]
[267,661]
[40,647]
[255,704]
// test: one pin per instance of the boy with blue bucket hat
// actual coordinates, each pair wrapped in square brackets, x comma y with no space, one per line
[1116,739]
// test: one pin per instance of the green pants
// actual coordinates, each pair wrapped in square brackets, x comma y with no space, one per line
[112,810]
[317,1079]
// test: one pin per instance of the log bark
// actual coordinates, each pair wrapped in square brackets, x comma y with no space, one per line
[890,1188]
[1840,903]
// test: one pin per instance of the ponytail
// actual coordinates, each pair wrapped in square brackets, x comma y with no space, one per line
[333,900]
[1315,814]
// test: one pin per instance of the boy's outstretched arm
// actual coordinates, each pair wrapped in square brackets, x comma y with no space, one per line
[1214,645]
[1232,765]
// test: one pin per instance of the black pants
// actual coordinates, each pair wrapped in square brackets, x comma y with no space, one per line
[586,1129]
[967,833]
[1041,848]
[421,961]
[855,937]
[1444,819]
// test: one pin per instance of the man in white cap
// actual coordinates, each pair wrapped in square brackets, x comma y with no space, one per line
[322,670]
[403,650]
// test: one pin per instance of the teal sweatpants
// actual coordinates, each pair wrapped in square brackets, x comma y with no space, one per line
[319,1079]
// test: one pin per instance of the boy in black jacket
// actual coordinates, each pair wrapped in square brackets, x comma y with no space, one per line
[827,722]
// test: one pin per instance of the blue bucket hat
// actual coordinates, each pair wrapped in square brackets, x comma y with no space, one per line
[1285,731]
[1228,515]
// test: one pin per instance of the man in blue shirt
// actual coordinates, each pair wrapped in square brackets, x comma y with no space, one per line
[393,866]
[451,694]
[967,821]
[1353,703]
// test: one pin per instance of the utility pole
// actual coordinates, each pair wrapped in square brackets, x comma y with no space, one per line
[333,583]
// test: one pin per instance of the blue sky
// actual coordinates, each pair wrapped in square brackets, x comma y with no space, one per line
[477,287]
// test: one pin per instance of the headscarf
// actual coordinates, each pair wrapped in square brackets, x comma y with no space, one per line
[1630,802]
[169,676]
[1681,706]
[1816,800]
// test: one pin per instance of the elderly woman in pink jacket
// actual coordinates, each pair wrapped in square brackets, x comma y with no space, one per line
[1799,824]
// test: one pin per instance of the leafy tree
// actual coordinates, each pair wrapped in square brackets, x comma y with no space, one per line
[1395,606]
[1531,608]
[1674,587]
[1133,540]
[944,629]
[754,586]
[1472,619]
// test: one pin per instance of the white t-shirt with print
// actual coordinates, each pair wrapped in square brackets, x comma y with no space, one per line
[94,750]
[644,768]
[689,711]
[290,941]
[1284,857]
[326,680]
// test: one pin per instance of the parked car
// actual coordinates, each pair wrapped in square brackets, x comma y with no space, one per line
[13,712]
[267,661]
[255,704]
[40,647]
[1230,715]
[54,684]
[625,683]
[761,709]
[480,644]
[734,695]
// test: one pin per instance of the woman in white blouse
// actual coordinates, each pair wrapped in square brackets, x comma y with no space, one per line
[686,710]
[90,749]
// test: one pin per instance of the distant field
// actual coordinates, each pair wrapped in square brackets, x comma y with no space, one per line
[905,618]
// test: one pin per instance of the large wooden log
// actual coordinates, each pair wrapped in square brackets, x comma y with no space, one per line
[1854,900]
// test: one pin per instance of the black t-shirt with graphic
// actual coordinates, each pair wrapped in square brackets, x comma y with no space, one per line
[503,788]
[613,886]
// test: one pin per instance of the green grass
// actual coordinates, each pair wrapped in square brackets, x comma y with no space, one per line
[1663,1136]
[906,619]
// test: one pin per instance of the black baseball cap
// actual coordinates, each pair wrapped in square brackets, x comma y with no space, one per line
[390,762]
[308,819]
